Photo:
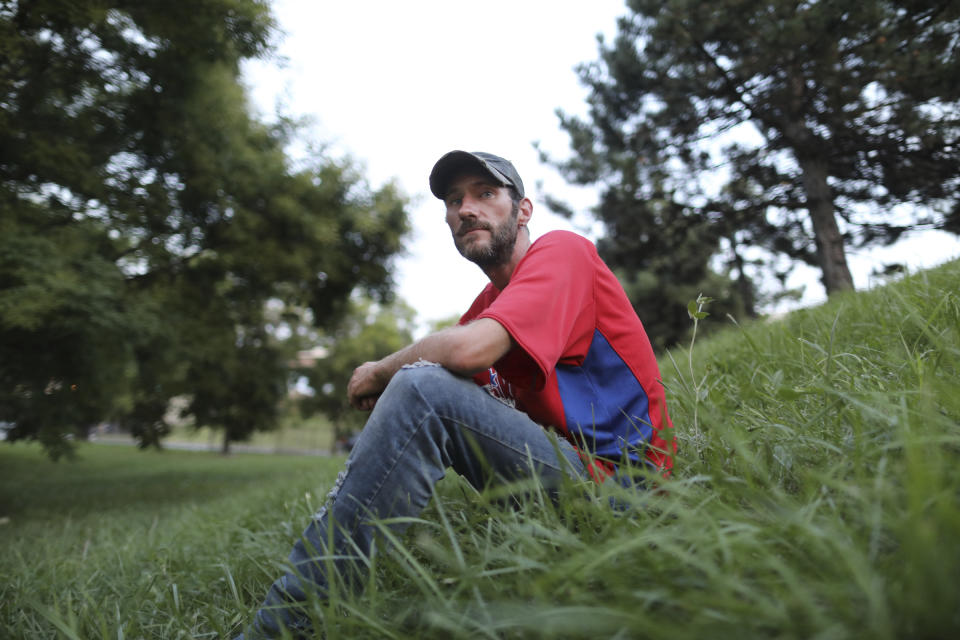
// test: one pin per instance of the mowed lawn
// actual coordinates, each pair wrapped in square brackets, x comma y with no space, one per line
[817,494]
[129,543]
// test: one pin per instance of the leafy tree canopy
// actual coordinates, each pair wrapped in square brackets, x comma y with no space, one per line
[369,332]
[147,217]
[800,127]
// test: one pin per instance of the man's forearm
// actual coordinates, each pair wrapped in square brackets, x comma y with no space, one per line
[463,349]
[436,347]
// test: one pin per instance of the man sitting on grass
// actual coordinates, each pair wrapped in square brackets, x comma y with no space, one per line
[549,372]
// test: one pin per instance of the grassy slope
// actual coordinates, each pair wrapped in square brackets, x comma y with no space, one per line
[817,495]
[832,439]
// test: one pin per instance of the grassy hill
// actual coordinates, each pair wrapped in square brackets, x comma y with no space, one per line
[817,494]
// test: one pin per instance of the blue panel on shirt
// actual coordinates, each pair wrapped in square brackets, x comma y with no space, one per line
[605,406]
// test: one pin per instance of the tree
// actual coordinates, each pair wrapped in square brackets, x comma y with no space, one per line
[758,124]
[369,332]
[65,333]
[148,217]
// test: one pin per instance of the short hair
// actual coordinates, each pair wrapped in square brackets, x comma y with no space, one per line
[514,195]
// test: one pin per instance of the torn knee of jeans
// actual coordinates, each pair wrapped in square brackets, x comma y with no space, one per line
[421,363]
[334,491]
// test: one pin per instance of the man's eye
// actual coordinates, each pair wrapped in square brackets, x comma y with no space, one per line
[487,194]
[453,202]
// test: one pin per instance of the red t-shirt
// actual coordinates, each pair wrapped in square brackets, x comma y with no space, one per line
[582,363]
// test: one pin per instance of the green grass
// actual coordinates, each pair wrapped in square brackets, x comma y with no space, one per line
[124,543]
[817,494]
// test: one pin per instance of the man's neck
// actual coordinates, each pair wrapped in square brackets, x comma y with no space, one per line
[501,274]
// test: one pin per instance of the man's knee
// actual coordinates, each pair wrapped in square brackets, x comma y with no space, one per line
[427,386]
[424,377]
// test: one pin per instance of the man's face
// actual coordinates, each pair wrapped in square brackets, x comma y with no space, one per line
[483,220]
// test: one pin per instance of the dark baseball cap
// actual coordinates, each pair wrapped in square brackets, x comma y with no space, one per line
[457,162]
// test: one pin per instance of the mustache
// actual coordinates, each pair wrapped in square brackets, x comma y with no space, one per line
[469,226]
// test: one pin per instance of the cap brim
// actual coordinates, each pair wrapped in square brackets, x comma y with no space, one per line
[456,163]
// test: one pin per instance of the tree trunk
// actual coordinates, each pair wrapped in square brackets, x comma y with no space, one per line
[830,250]
[225,449]
[807,149]
[744,285]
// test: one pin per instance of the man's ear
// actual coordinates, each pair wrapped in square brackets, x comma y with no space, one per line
[525,212]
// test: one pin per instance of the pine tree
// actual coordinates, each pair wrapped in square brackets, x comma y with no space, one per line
[800,127]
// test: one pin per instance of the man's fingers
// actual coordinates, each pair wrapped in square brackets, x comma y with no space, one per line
[363,384]
[364,403]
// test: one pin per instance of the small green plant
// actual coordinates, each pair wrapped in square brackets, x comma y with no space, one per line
[695,309]
[693,384]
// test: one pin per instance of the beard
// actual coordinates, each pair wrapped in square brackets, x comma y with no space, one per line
[498,251]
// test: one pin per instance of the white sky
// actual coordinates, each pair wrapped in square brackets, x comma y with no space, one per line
[397,84]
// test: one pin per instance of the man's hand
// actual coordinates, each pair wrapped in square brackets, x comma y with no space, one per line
[365,386]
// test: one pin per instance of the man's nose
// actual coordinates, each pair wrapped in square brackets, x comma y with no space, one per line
[468,207]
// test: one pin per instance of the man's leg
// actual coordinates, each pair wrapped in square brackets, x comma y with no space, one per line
[426,421]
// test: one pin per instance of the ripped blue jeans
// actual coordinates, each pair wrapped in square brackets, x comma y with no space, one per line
[426,421]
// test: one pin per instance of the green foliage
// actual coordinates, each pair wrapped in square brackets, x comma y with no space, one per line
[715,129]
[148,218]
[660,300]
[369,332]
[817,499]
[443,323]
[65,331]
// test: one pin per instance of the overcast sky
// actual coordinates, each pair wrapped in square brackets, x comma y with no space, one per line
[397,84]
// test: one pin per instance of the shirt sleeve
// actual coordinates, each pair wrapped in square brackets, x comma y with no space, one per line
[548,305]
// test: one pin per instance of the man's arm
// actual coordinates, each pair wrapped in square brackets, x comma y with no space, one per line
[463,349]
